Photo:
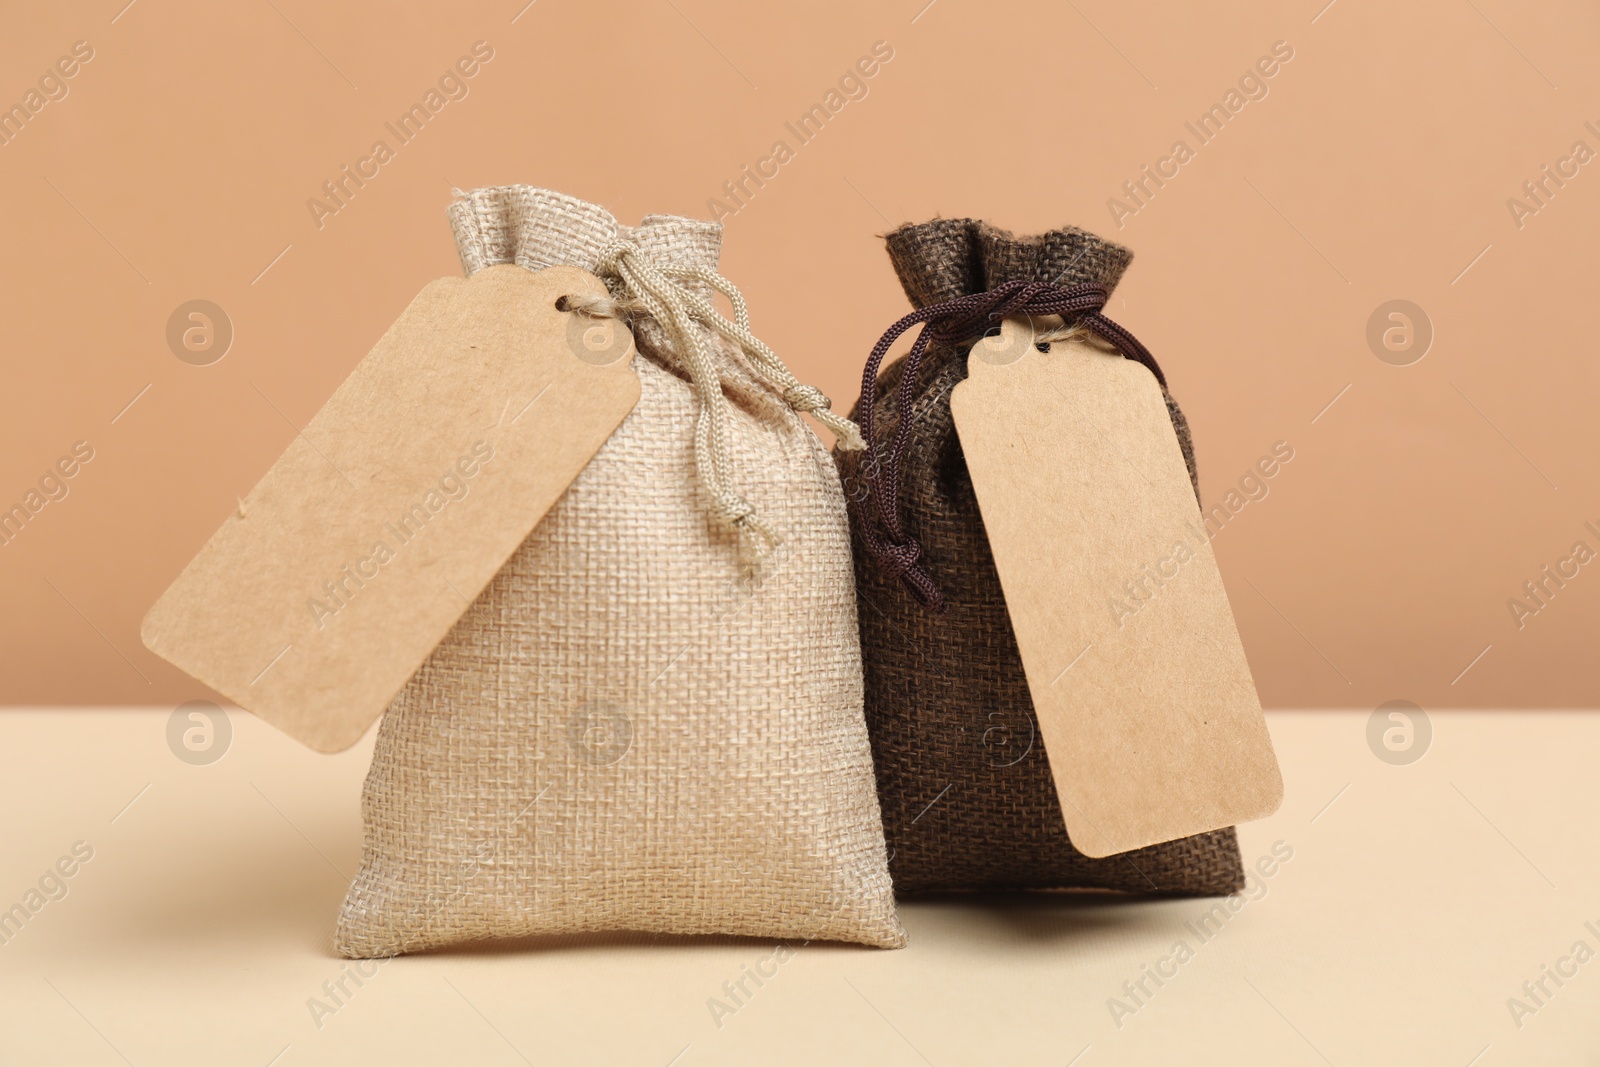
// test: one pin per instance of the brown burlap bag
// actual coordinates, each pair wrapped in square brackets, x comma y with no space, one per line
[964,781]
[632,727]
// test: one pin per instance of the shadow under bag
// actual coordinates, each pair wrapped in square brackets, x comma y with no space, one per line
[964,782]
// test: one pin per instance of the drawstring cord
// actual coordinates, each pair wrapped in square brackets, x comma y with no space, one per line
[952,324]
[655,290]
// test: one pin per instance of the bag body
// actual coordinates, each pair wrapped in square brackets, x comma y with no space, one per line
[630,728]
[965,785]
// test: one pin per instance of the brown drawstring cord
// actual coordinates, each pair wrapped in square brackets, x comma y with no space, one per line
[950,324]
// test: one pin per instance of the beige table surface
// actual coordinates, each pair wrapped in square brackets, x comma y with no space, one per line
[1419,899]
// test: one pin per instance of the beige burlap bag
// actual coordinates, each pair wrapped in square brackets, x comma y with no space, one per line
[640,724]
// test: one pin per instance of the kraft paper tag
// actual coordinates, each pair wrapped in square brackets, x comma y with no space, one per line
[1146,706]
[370,536]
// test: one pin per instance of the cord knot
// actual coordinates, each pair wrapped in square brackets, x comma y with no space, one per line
[612,255]
[659,292]
[806,398]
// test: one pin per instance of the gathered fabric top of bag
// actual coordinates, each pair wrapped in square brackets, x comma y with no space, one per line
[661,276]
[963,276]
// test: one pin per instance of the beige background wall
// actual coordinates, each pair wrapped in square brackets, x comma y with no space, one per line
[1378,166]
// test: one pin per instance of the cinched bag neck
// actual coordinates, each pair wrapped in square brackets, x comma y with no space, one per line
[955,323]
[643,287]
[661,274]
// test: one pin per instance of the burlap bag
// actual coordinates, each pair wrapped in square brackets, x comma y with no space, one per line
[632,727]
[964,781]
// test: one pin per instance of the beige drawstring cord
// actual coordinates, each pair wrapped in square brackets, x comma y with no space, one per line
[652,289]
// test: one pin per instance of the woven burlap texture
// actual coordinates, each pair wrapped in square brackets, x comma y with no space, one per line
[963,777]
[629,729]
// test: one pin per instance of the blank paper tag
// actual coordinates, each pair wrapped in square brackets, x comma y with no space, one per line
[371,535]
[1146,707]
